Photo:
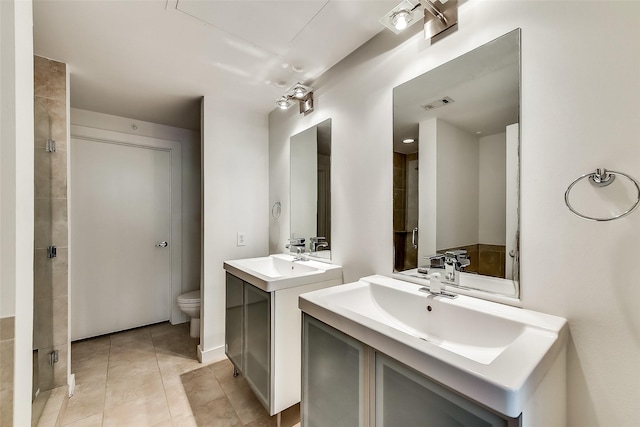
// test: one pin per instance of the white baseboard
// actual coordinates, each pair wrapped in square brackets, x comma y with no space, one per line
[212,355]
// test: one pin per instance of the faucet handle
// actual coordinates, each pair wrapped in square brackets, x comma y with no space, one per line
[436,260]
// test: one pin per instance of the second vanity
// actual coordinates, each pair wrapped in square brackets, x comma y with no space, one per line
[386,352]
[263,322]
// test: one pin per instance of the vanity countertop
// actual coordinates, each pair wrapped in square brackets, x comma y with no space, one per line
[282,271]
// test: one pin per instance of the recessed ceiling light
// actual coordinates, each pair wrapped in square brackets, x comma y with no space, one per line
[408,140]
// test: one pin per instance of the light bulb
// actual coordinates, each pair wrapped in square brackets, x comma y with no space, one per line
[283,103]
[299,91]
[401,19]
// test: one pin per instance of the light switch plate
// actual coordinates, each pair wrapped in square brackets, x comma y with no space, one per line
[242,239]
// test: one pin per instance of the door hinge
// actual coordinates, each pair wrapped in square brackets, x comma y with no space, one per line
[53,357]
[52,252]
[51,146]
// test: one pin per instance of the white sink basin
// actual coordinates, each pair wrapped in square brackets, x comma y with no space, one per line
[280,271]
[493,353]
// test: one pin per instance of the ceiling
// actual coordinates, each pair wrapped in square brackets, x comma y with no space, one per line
[153,60]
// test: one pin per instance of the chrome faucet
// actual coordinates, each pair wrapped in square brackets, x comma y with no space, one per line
[299,246]
[318,242]
[300,256]
[452,262]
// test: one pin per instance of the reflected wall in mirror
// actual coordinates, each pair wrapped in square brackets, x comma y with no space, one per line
[456,162]
[310,157]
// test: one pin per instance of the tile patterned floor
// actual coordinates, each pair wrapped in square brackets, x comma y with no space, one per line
[150,377]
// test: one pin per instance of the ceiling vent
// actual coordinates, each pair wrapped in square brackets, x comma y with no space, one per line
[440,102]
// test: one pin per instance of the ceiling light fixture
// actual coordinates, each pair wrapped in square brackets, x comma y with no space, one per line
[401,17]
[301,93]
[408,140]
[438,16]
[283,103]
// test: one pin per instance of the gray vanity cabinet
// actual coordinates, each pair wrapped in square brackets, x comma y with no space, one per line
[334,369]
[404,397]
[248,333]
[346,383]
[257,341]
[263,339]
[234,319]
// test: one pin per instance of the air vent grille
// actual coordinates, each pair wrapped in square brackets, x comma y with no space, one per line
[440,102]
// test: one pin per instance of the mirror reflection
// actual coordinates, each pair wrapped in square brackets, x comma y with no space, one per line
[456,164]
[310,157]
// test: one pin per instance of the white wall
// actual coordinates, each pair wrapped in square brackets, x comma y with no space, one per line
[492,188]
[190,154]
[427,189]
[16,191]
[235,199]
[457,187]
[567,69]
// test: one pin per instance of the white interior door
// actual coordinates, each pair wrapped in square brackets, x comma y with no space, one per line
[119,213]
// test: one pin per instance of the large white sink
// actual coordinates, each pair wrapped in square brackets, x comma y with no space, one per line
[493,353]
[280,271]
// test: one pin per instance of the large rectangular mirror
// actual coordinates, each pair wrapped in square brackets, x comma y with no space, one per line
[310,158]
[456,166]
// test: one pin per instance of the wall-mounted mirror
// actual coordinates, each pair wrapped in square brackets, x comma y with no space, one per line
[456,165]
[310,157]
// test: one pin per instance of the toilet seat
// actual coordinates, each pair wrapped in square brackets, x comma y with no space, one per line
[190,298]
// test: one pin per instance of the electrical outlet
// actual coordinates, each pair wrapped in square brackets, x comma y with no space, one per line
[242,239]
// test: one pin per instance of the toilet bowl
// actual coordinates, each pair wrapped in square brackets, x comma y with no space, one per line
[189,304]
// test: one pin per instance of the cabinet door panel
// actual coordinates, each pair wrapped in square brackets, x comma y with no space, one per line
[257,341]
[334,369]
[233,320]
[404,397]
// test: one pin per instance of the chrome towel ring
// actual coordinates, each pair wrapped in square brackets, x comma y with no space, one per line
[602,178]
[276,209]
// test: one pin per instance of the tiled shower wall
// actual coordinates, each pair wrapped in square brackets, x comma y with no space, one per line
[7,333]
[51,298]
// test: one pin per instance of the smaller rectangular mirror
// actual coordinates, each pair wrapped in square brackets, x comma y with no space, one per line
[310,168]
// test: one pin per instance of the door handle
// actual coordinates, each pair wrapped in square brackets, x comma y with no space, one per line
[414,240]
[162,244]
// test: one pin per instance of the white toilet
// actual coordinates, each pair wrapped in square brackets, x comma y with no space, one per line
[189,304]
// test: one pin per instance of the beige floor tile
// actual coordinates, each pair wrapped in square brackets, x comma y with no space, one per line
[86,401]
[92,421]
[148,408]
[150,377]
[247,406]
[217,413]
[185,421]
[177,398]
[47,420]
[122,392]
[174,365]
[201,387]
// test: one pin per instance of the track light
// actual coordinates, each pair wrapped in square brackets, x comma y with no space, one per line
[301,93]
[283,103]
[401,17]
[438,16]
